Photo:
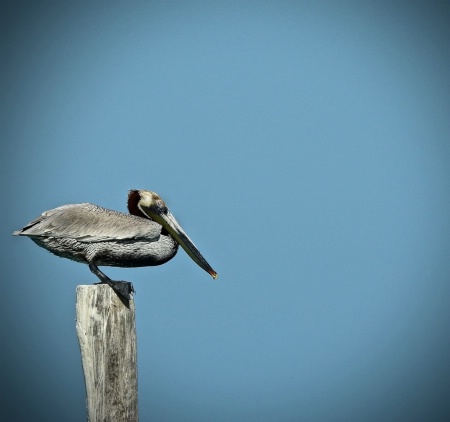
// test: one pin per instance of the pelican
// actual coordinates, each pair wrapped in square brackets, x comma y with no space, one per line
[96,236]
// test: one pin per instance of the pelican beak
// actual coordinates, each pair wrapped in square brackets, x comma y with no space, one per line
[168,221]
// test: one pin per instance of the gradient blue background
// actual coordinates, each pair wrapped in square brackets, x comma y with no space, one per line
[304,147]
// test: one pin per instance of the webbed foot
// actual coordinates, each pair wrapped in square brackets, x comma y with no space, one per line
[124,289]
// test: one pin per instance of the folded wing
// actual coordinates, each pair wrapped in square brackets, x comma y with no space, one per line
[91,223]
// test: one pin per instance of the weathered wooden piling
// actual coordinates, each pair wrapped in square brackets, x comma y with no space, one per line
[106,331]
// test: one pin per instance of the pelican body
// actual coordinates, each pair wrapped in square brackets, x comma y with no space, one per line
[96,236]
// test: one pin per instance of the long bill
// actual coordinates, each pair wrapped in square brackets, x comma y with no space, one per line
[169,222]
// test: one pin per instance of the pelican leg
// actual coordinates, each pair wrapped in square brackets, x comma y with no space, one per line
[122,288]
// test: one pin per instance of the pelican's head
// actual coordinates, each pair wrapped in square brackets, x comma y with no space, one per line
[145,203]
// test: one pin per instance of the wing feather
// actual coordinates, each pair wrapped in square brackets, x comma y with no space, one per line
[90,223]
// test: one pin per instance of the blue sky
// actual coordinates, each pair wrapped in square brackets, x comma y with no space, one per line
[303,146]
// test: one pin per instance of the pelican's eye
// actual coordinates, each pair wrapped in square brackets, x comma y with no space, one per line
[161,206]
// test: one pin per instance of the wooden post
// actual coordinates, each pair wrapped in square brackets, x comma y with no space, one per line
[107,335]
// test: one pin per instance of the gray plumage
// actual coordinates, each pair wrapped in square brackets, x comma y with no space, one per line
[91,234]
[91,223]
[97,236]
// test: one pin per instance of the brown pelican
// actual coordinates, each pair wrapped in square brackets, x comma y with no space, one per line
[96,236]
